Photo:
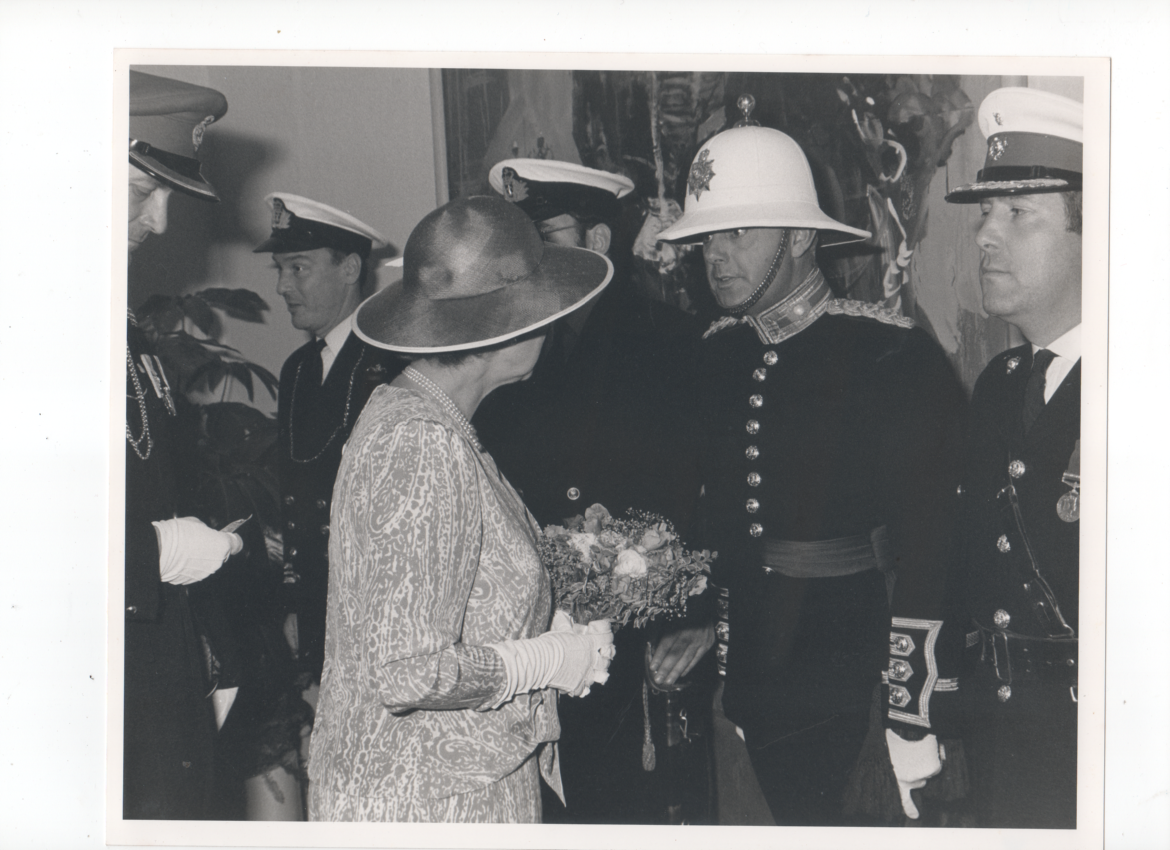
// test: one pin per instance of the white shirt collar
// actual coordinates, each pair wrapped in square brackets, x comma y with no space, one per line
[1067,348]
[336,338]
[1067,345]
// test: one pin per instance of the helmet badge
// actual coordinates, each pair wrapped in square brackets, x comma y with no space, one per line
[701,174]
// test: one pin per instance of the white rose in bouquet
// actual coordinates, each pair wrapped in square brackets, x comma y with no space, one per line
[583,542]
[630,563]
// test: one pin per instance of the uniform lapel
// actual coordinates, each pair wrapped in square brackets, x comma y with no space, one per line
[1062,408]
[1010,420]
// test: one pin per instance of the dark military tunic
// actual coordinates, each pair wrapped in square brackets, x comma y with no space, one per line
[315,420]
[1022,732]
[842,431]
[168,721]
[603,419]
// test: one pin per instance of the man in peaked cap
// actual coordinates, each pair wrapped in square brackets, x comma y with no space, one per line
[830,469]
[1023,476]
[322,257]
[601,420]
[169,721]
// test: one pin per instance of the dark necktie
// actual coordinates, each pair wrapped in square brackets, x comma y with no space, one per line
[1034,391]
[311,374]
[306,400]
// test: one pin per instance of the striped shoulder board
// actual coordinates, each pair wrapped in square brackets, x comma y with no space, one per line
[868,310]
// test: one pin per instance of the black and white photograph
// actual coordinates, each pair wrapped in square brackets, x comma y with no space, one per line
[648,447]
[610,449]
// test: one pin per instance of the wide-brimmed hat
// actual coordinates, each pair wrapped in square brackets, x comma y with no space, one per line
[547,188]
[1034,145]
[167,120]
[753,177]
[302,224]
[475,273]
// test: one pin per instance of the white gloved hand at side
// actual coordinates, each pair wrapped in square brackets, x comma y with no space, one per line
[189,551]
[569,657]
[914,762]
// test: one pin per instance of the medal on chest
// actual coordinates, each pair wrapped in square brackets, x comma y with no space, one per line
[1068,506]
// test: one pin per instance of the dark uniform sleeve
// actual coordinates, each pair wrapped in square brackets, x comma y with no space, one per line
[142,569]
[920,453]
[150,484]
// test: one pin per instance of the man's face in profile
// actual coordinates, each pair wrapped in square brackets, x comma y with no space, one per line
[147,207]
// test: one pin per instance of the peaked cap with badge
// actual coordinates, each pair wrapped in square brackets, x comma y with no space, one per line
[547,188]
[1020,581]
[167,120]
[1034,145]
[302,224]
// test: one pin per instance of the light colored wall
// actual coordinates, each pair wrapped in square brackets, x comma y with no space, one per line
[357,139]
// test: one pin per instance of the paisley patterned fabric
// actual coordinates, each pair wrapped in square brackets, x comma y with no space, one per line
[432,557]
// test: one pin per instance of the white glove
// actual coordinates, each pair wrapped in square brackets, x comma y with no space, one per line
[189,551]
[569,657]
[914,762]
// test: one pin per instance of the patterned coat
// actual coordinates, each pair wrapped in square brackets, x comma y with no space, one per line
[604,419]
[432,558]
[315,422]
[1022,732]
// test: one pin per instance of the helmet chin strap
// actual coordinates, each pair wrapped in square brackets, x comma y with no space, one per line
[758,293]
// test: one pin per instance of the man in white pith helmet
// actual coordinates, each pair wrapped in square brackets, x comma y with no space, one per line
[829,490]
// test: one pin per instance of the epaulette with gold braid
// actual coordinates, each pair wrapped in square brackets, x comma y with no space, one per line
[868,310]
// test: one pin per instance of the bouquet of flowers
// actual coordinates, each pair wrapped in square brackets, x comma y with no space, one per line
[628,570]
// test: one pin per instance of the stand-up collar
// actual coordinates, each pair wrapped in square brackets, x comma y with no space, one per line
[788,316]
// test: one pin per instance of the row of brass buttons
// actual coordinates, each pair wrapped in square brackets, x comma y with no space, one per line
[752,452]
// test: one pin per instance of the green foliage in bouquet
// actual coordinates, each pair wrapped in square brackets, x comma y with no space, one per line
[227,448]
[632,569]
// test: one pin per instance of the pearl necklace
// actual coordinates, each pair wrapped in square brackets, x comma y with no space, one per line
[445,400]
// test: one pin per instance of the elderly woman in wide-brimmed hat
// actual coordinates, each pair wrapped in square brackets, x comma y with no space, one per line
[438,697]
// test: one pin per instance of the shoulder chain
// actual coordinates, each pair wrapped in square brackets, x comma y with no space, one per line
[344,418]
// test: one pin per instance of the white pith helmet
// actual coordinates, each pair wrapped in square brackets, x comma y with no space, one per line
[752,177]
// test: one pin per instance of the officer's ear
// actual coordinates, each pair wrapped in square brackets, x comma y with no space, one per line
[802,241]
[597,238]
[351,269]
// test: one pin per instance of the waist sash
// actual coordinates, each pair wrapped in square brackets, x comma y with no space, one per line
[841,556]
